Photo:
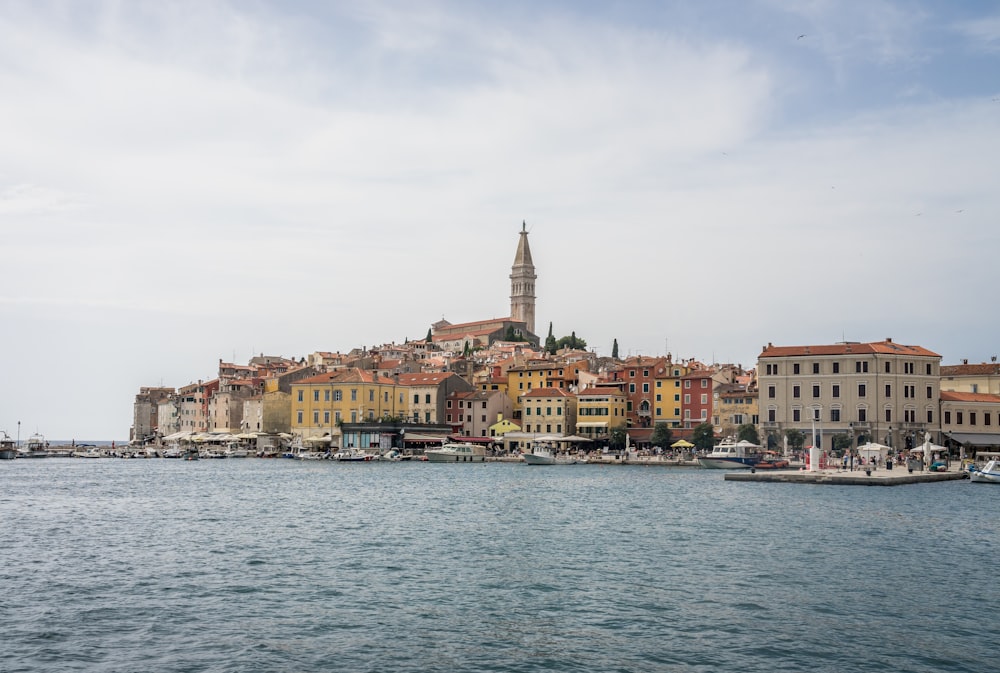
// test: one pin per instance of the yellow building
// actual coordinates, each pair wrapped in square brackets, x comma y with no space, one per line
[667,395]
[549,411]
[321,403]
[599,411]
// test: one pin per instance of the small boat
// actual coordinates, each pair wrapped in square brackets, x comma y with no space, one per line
[987,474]
[771,461]
[35,447]
[352,455]
[8,451]
[541,455]
[731,455]
[457,453]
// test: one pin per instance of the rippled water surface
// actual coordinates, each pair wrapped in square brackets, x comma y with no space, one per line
[277,565]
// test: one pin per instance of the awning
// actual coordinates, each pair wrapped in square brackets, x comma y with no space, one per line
[474,440]
[415,437]
[592,424]
[975,438]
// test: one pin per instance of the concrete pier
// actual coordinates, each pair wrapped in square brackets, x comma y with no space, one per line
[881,477]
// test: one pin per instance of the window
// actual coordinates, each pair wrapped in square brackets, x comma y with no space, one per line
[958,417]
[928,369]
[835,415]
[836,367]
[704,398]
[659,398]
[972,418]
[704,383]
[527,411]
[677,397]
[862,390]
[326,395]
[862,415]
[796,392]
[316,416]
[427,398]
[888,367]
[416,400]
[354,396]
[687,383]
[770,416]
[888,390]
[771,392]
[986,418]
[835,390]
[795,368]
[300,395]
[687,398]
[815,368]
[796,415]
[645,387]
[631,387]
[861,367]
[326,417]
[930,416]
[298,416]
[371,395]
[645,373]
[338,395]
[888,415]
[947,418]
[815,391]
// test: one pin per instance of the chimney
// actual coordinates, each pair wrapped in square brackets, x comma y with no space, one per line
[888,340]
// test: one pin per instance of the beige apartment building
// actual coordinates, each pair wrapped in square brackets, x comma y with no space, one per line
[882,392]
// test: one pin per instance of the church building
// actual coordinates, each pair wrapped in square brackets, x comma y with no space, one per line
[520,323]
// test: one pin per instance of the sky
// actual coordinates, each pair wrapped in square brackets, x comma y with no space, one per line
[188,182]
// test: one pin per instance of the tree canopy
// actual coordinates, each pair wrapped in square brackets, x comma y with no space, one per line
[748,431]
[703,436]
[662,435]
[572,342]
[614,349]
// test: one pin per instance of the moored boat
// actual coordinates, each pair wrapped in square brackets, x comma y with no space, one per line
[35,447]
[8,451]
[731,455]
[987,474]
[457,453]
[541,455]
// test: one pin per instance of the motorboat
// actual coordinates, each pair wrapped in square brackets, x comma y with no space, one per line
[987,474]
[457,453]
[8,450]
[541,455]
[352,455]
[35,447]
[731,455]
[772,461]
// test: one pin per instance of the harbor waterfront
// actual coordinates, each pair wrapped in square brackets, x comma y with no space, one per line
[281,565]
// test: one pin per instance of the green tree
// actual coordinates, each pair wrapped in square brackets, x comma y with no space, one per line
[796,439]
[466,350]
[614,350]
[550,342]
[617,438]
[842,442]
[662,435]
[429,336]
[572,341]
[703,436]
[748,431]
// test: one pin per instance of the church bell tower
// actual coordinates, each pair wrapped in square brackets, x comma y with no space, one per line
[522,283]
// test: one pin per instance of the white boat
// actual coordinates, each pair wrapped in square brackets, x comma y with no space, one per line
[541,455]
[352,455]
[987,474]
[731,455]
[35,447]
[457,453]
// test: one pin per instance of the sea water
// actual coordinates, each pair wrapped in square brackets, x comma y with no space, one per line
[280,565]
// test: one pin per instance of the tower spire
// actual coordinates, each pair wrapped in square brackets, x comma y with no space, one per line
[522,283]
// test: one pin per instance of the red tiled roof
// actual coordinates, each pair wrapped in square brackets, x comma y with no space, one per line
[421,379]
[546,392]
[878,347]
[984,369]
[952,396]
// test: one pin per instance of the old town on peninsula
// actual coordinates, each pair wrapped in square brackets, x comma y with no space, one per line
[500,384]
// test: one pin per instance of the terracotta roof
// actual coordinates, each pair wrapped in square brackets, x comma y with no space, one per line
[603,391]
[421,379]
[546,392]
[879,347]
[952,396]
[984,369]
